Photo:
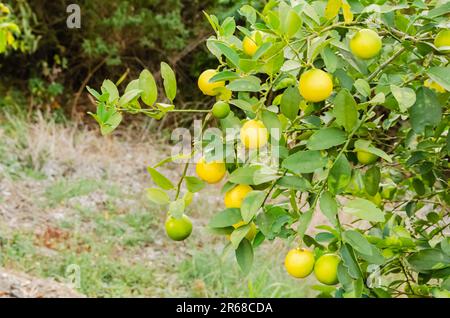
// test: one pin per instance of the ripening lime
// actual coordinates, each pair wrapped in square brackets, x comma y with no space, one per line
[221,109]
[365,44]
[299,262]
[326,269]
[365,157]
[178,229]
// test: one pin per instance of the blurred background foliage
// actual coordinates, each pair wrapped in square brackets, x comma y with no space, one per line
[52,64]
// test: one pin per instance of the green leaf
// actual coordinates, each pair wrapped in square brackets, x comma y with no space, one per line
[290,102]
[375,256]
[294,182]
[418,186]
[164,108]
[364,209]
[345,110]
[366,145]
[405,96]
[242,104]
[251,204]
[176,208]
[290,21]
[357,241]
[238,235]
[362,87]
[429,259]
[262,50]
[194,184]
[330,59]
[329,207]
[440,10]
[253,175]
[303,223]
[148,86]
[247,84]
[372,180]
[440,75]
[445,245]
[225,218]
[160,180]
[249,13]
[305,161]
[332,8]
[349,261]
[344,278]
[326,138]
[111,123]
[158,196]
[93,92]
[271,121]
[228,26]
[224,76]
[244,256]
[110,88]
[426,111]
[228,52]
[340,175]
[170,82]
[128,97]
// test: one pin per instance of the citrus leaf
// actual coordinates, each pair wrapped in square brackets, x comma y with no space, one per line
[238,235]
[170,82]
[176,208]
[158,196]
[440,75]
[251,204]
[228,52]
[128,97]
[110,88]
[329,207]
[225,218]
[245,84]
[349,261]
[303,223]
[364,209]
[159,179]
[290,102]
[426,111]
[244,256]
[340,175]
[405,96]
[362,87]
[305,161]
[357,241]
[194,184]
[326,138]
[148,86]
[429,259]
[345,110]
[372,180]
[294,182]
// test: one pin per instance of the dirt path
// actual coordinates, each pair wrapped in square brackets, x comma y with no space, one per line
[20,285]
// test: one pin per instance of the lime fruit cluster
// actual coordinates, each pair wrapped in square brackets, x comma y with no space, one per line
[300,263]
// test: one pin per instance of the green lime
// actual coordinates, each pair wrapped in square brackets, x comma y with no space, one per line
[178,229]
[221,109]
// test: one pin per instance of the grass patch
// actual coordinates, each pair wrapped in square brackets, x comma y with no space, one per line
[210,274]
